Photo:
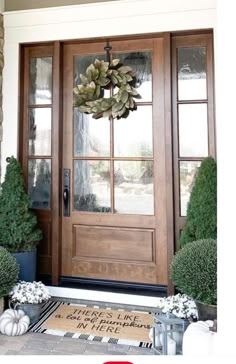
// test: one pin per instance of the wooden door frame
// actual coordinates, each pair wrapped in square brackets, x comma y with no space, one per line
[57,138]
[192,40]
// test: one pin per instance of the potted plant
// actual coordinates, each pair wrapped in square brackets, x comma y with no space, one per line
[181,306]
[19,233]
[29,297]
[194,272]
[8,275]
[202,207]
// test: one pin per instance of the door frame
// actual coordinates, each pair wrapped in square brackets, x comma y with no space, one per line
[56,213]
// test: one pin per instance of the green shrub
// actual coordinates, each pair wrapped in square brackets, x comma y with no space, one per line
[18,223]
[202,206]
[9,271]
[194,270]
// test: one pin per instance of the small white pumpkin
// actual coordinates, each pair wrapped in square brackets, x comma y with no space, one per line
[198,340]
[14,322]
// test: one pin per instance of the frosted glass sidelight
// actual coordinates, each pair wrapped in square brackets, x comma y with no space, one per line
[40,81]
[40,131]
[193,130]
[187,173]
[39,182]
[192,73]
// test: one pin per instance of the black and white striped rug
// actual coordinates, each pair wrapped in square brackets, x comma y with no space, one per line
[51,306]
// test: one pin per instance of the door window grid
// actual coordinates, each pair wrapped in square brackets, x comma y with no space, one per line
[39,154]
[116,156]
[191,63]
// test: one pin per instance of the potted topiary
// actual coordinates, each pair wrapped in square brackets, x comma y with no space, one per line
[19,233]
[194,272]
[202,207]
[8,275]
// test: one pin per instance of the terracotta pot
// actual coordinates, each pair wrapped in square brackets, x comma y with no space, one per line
[206,312]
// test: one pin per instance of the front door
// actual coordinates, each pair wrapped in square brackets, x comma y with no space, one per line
[114,204]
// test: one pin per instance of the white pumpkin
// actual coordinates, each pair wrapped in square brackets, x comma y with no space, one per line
[14,322]
[198,340]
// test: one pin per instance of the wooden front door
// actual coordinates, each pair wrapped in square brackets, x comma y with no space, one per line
[114,184]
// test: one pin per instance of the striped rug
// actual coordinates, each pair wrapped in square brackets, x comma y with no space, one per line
[49,312]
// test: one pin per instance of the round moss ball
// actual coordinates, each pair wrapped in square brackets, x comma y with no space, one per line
[194,270]
[9,271]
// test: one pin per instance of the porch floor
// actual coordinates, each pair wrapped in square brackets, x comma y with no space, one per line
[41,344]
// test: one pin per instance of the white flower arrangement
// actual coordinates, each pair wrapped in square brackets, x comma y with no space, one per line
[29,292]
[179,305]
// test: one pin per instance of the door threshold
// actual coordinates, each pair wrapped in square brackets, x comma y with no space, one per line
[102,296]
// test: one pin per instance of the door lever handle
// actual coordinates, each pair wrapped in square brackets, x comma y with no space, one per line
[66,195]
[66,192]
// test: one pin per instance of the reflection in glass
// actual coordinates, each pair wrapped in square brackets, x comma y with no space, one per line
[187,173]
[92,186]
[133,136]
[192,73]
[193,130]
[134,187]
[39,182]
[40,87]
[40,131]
[91,137]
[141,63]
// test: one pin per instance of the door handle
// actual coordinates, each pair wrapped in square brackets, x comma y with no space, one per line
[66,196]
[66,191]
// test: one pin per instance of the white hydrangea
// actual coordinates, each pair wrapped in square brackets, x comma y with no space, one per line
[179,305]
[29,292]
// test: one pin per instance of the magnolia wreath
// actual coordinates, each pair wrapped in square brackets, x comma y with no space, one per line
[99,76]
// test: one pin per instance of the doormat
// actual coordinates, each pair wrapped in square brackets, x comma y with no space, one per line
[95,323]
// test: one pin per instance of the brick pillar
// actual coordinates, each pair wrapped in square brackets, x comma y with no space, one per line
[1,68]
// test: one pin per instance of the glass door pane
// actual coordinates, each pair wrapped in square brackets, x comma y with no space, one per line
[134,187]
[133,136]
[141,63]
[92,186]
[91,137]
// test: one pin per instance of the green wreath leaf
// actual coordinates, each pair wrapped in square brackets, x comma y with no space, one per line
[100,75]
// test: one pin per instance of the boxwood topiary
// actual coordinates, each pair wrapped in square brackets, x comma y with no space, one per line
[18,223]
[202,207]
[9,271]
[194,270]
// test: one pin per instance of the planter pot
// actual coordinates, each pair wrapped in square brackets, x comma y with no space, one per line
[27,263]
[31,310]
[1,305]
[206,312]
